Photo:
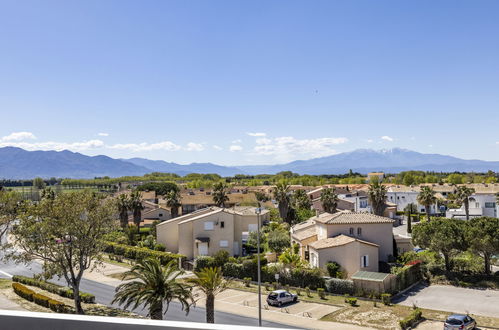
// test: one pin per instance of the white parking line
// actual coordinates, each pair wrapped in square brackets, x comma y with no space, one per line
[6,274]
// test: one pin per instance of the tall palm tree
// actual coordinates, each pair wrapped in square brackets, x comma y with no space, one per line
[123,207]
[427,198]
[173,202]
[135,204]
[281,195]
[301,200]
[154,287]
[463,194]
[220,194]
[377,197]
[209,280]
[329,200]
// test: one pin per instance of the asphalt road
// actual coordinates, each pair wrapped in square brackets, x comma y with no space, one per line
[104,295]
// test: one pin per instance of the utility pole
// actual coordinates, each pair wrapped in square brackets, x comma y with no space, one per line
[258,211]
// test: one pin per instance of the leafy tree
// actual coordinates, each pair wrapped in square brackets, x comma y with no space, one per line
[211,282]
[278,240]
[47,193]
[455,178]
[221,257]
[301,200]
[333,269]
[483,237]
[161,188]
[123,204]
[329,200]
[445,236]
[154,286]
[38,183]
[173,202]
[290,259]
[377,197]
[252,240]
[261,197]
[427,198]
[10,205]
[65,233]
[135,204]
[220,194]
[463,194]
[281,195]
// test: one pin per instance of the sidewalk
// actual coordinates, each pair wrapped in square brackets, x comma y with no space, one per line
[7,304]
[302,314]
[102,272]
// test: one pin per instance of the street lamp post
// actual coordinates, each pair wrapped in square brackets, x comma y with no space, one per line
[258,211]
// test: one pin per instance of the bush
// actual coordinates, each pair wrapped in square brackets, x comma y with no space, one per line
[221,258]
[39,299]
[386,298]
[204,262]
[54,288]
[133,252]
[321,293]
[23,291]
[307,291]
[247,281]
[333,268]
[231,269]
[268,286]
[411,320]
[339,286]
[298,291]
[351,301]
[159,247]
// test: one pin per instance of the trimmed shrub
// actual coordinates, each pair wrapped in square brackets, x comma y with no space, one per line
[23,291]
[268,286]
[321,293]
[54,288]
[339,286]
[307,290]
[411,320]
[298,291]
[39,299]
[133,252]
[386,298]
[351,301]
[221,258]
[231,269]
[204,262]
[247,281]
[333,268]
[58,306]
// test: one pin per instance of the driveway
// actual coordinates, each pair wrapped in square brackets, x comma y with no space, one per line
[453,299]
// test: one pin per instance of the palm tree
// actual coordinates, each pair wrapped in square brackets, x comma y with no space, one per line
[301,200]
[329,200]
[463,194]
[220,194]
[154,286]
[209,280]
[427,198]
[136,207]
[377,197]
[173,202]
[290,259]
[281,195]
[123,208]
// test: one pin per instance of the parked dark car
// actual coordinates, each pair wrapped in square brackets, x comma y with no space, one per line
[459,322]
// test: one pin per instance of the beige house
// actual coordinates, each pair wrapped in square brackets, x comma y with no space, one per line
[209,230]
[151,212]
[357,241]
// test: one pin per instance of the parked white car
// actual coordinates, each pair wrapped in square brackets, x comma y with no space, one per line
[281,297]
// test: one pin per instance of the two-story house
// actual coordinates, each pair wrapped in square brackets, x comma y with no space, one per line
[209,230]
[357,241]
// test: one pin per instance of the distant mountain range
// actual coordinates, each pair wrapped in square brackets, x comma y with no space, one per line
[16,163]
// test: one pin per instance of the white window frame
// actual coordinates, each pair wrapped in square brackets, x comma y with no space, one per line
[209,225]
[364,261]
[224,243]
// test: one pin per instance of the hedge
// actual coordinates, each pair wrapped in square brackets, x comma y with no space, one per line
[138,253]
[54,288]
[411,320]
[339,286]
[39,299]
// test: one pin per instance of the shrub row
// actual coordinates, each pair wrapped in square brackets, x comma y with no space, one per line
[40,299]
[339,286]
[138,253]
[411,320]
[54,288]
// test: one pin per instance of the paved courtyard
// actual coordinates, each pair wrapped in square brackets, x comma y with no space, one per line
[453,299]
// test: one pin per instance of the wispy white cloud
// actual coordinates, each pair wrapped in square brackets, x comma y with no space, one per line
[58,146]
[19,136]
[236,141]
[257,134]
[387,138]
[103,134]
[234,148]
[165,146]
[289,148]
[263,141]
[370,140]
[191,146]
[217,147]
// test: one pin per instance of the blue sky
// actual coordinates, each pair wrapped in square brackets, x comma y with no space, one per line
[249,82]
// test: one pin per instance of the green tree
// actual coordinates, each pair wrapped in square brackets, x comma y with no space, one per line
[154,286]
[135,204]
[65,234]
[290,259]
[160,188]
[281,195]
[455,178]
[278,240]
[211,282]
[10,205]
[329,200]
[463,194]
[377,197]
[409,210]
[220,194]
[38,183]
[123,204]
[47,193]
[427,198]
[173,202]
[301,200]
[444,236]
[483,237]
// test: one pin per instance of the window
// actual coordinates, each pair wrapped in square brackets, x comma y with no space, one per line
[364,261]
[208,225]
[224,243]
[490,205]
[363,204]
[351,231]
[222,224]
[161,214]
[359,231]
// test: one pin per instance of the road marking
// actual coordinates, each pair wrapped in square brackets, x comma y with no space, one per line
[6,274]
